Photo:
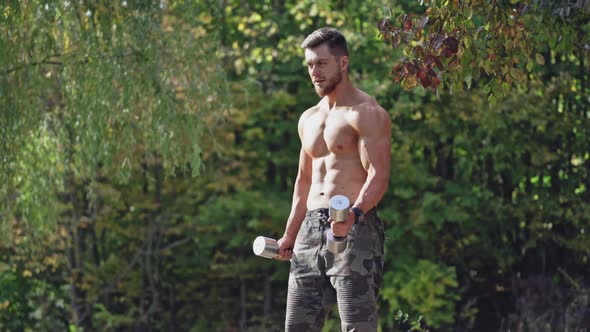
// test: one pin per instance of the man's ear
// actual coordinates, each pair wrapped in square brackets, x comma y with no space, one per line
[344,63]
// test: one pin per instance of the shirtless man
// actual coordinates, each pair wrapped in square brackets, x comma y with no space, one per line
[345,150]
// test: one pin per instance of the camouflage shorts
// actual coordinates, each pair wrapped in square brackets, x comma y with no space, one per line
[320,279]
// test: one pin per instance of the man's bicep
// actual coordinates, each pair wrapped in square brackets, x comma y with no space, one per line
[375,139]
[304,171]
[377,150]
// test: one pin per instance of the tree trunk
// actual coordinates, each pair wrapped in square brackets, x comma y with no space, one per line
[82,310]
[243,313]
[267,301]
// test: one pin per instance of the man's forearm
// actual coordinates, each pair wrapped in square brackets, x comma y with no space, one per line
[371,192]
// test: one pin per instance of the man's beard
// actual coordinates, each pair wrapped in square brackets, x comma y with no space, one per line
[330,86]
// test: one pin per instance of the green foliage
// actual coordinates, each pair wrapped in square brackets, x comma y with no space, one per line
[404,324]
[94,88]
[28,302]
[428,288]
[489,190]
[109,321]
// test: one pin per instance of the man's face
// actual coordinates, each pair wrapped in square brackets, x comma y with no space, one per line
[325,70]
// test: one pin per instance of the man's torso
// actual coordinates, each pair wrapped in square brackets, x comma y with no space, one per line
[328,136]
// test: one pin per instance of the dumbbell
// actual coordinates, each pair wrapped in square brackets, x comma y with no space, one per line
[338,211]
[265,247]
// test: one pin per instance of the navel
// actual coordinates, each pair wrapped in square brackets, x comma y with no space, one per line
[339,147]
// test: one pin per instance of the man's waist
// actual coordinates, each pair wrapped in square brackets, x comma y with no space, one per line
[323,213]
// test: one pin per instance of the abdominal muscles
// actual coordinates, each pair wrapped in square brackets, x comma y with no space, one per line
[335,175]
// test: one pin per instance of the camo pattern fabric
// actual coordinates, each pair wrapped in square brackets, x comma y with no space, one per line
[351,279]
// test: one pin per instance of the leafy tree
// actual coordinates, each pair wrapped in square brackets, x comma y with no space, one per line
[93,88]
[93,93]
[495,44]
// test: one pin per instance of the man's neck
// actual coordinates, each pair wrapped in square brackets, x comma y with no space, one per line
[342,94]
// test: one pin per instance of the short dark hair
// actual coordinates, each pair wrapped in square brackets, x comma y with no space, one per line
[329,36]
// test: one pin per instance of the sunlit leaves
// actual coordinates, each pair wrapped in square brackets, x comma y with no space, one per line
[495,39]
[433,51]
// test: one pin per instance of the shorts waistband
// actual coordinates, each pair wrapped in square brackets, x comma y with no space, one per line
[322,214]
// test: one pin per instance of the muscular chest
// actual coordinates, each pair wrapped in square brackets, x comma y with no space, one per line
[324,134]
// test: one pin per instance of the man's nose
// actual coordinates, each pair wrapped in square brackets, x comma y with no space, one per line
[314,71]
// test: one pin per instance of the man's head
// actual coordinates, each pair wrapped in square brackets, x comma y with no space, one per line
[326,56]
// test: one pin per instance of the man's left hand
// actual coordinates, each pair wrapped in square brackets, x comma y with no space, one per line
[340,229]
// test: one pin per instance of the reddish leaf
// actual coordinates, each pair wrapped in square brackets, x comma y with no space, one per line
[426,81]
[402,19]
[422,72]
[438,63]
[451,44]
[383,25]
[419,51]
[435,81]
[397,72]
[406,69]
[429,59]
[408,24]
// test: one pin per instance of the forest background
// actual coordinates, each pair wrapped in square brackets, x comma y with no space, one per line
[145,144]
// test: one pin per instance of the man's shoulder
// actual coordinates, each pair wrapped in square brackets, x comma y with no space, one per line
[368,103]
[368,116]
[306,115]
[309,112]
[370,108]
[312,109]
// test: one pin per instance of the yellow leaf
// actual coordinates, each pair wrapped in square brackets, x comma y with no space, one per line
[540,59]
[255,17]
[207,18]
[409,82]
[4,305]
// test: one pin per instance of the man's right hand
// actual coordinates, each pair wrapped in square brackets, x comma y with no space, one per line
[285,248]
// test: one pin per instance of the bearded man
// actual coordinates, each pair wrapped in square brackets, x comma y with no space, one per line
[345,150]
